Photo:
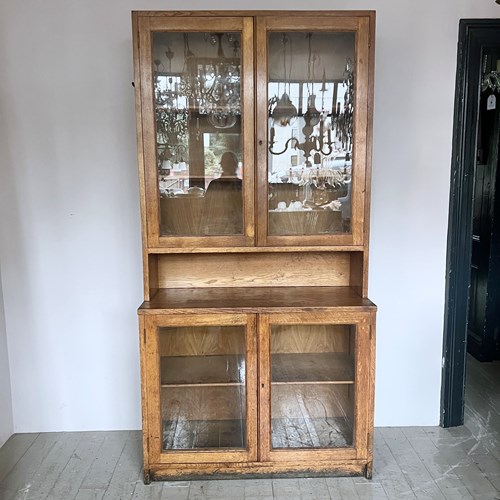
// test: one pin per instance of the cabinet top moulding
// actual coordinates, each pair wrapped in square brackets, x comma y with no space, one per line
[253,13]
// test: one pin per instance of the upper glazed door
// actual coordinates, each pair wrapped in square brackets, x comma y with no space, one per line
[196,87]
[312,128]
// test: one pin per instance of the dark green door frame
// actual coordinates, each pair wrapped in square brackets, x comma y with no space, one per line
[474,36]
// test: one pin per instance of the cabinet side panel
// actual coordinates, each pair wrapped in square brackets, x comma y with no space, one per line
[371,397]
[369,148]
[144,393]
[151,378]
[253,270]
[145,75]
[140,151]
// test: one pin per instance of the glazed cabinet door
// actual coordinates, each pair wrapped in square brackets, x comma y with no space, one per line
[200,392]
[194,82]
[316,390]
[313,139]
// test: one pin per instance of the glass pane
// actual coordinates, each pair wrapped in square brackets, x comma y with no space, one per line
[312,386]
[310,132]
[202,378]
[197,92]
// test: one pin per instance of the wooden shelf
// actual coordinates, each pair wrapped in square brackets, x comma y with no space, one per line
[315,368]
[229,370]
[198,371]
[254,249]
[256,300]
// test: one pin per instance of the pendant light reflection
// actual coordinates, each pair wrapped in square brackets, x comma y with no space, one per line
[284,113]
[321,132]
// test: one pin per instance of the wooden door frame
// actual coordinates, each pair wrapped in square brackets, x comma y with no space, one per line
[144,26]
[361,23]
[364,349]
[474,36]
[151,371]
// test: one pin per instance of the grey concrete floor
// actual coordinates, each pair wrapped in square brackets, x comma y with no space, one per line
[409,462]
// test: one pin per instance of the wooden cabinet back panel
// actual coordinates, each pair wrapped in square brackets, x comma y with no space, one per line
[253,270]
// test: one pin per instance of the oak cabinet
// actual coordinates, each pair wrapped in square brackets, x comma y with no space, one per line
[205,413]
[257,336]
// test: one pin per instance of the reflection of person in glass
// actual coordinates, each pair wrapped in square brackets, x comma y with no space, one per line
[224,200]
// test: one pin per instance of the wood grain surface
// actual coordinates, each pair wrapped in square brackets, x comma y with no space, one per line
[257,300]
[248,270]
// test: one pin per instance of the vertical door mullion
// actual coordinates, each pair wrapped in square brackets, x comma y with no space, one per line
[251,390]
[264,388]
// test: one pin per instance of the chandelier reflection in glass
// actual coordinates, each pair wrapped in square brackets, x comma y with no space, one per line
[172,115]
[321,130]
[214,83]
[206,88]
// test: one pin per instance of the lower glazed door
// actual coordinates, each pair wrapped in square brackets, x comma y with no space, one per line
[201,388]
[315,388]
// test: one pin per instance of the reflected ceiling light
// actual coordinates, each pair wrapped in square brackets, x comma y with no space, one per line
[285,113]
[320,129]
[214,82]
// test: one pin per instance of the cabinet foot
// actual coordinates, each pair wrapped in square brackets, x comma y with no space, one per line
[369,470]
[147,477]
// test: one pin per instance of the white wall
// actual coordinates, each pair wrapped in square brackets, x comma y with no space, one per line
[6,420]
[70,235]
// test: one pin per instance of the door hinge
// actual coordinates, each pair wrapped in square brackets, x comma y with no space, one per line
[144,335]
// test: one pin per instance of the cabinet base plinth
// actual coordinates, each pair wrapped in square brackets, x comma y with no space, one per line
[257,470]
